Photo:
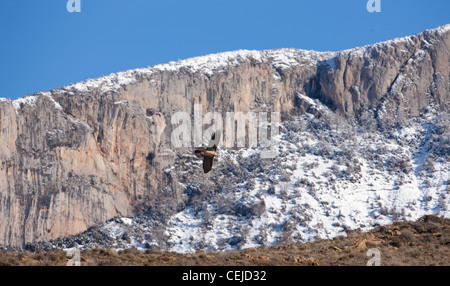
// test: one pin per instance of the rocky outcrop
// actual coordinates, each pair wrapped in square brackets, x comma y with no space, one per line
[409,74]
[78,155]
[54,180]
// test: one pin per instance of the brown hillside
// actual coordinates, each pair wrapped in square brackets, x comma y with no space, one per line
[424,242]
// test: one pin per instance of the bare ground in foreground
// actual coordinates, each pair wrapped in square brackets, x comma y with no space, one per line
[424,242]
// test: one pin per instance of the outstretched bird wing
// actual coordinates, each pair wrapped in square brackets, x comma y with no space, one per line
[208,159]
[207,164]
[199,152]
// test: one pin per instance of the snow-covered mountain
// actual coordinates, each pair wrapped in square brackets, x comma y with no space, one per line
[329,176]
[364,141]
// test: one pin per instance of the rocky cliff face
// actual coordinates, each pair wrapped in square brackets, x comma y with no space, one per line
[407,74]
[76,156]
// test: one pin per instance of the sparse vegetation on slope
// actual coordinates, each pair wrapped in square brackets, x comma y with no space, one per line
[423,242]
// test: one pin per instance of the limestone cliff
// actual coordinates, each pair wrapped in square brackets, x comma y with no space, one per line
[76,156]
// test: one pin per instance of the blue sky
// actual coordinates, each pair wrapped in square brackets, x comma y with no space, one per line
[43,46]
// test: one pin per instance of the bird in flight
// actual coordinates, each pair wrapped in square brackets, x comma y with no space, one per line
[208,153]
